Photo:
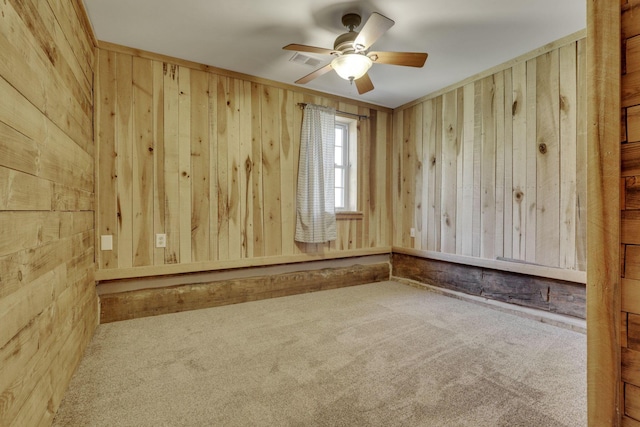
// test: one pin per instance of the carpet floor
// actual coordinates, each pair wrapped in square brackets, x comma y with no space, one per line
[383,354]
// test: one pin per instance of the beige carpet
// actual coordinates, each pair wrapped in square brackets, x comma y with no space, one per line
[383,354]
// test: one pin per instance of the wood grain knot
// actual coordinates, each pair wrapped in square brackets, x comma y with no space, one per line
[519,195]
[151,149]
[433,161]
[542,148]
[514,108]
[564,103]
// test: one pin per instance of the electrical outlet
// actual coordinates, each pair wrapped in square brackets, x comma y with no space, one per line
[106,242]
[161,240]
[413,232]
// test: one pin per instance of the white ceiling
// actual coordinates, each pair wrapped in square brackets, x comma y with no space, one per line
[462,37]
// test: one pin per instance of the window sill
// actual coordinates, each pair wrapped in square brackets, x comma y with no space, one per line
[344,215]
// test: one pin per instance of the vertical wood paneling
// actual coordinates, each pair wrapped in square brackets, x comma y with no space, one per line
[465,233]
[246,169]
[158,158]
[256,171]
[531,165]
[222,187]
[459,164]
[366,132]
[184,163]
[418,176]
[449,173]
[233,168]
[519,199]
[508,164]
[548,160]
[500,184]
[581,157]
[107,152]
[213,166]
[142,162]
[287,106]
[269,98]
[200,146]
[408,174]
[501,173]
[488,169]
[171,165]
[568,153]
[396,192]
[221,155]
[429,174]
[380,223]
[477,170]
[437,217]
[124,162]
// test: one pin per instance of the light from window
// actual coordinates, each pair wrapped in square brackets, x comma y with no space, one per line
[342,165]
[345,164]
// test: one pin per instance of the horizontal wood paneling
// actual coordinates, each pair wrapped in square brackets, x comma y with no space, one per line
[48,302]
[494,169]
[210,160]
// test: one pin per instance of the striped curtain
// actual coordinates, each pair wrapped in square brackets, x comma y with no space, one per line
[315,201]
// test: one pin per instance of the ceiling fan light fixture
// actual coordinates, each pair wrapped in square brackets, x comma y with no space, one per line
[351,66]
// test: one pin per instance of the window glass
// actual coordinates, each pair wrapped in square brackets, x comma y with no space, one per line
[345,164]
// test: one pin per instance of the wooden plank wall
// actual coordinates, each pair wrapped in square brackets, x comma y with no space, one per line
[211,160]
[495,168]
[630,211]
[48,302]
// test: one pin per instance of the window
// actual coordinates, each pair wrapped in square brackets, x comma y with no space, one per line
[346,164]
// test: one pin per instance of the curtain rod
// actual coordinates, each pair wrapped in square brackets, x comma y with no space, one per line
[359,116]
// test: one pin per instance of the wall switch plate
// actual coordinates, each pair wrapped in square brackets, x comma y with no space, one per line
[413,232]
[161,240]
[106,242]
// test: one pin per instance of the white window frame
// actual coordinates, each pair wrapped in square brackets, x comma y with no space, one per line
[349,129]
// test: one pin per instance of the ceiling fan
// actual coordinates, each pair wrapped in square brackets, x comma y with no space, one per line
[351,50]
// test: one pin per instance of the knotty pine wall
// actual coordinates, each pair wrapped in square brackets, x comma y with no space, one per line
[48,302]
[211,159]
[496,167]
[630,210]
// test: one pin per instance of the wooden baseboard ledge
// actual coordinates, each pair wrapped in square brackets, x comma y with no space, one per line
[541,293]
[172,299]
[172,269]
[501,265]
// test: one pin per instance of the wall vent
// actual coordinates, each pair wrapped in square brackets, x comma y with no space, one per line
[306,60]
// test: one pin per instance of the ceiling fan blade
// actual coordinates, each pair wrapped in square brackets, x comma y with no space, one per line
[409,59]
[316,73]
[364,84]
[305,48]
[375,26]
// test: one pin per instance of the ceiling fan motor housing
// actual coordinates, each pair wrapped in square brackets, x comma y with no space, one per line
[344,42]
